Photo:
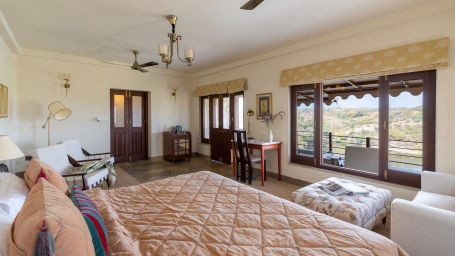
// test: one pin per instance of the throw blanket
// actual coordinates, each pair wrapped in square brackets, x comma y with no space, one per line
[95,165]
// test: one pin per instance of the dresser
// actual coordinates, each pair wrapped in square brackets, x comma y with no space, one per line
[177,146]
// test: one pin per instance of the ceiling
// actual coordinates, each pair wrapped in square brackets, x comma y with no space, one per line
[217,30]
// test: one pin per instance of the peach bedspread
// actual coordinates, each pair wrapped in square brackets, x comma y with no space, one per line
[204,213]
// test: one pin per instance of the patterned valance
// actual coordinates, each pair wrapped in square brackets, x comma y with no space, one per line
[231,86]
[408,58]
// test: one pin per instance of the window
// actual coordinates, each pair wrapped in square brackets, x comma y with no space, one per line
[221,112]
[226,112]
[377,127]
[205,120]
[238,112]
[215,111]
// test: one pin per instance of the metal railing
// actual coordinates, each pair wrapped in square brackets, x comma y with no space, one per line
[401,152]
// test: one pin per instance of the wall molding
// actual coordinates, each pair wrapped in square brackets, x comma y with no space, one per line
[92,61]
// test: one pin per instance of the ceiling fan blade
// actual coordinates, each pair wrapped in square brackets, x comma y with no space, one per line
[148,64]
[142,70]
[114,63]
[251,4]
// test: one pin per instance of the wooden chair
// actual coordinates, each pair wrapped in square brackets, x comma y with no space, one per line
[243,158]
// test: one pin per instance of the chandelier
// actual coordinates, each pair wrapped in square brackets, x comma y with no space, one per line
[167,52]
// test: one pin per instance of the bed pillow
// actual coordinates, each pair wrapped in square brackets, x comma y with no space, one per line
[34,170]
[46,203]
[13,192]
[93,219]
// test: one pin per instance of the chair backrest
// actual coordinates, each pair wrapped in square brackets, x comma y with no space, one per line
[55,156]
[74,149]
[240,141]
[361,158]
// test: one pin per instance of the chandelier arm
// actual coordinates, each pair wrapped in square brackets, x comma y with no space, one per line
[178,53]
[171,46]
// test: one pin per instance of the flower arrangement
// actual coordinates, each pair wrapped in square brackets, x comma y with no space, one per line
[269,118]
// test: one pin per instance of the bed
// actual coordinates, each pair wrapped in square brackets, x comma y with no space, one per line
[204,213]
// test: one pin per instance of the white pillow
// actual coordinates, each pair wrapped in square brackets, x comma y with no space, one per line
[13,192]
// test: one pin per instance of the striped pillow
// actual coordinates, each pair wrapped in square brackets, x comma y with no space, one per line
[93,219]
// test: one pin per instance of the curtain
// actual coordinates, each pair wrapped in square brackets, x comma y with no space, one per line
[231,86]
[407,58]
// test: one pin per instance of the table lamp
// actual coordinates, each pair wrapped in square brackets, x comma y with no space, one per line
[59,112]
[8,150]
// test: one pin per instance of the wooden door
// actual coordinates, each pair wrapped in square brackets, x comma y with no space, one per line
[137,125]
[119,125]
[129,121]
[224,115]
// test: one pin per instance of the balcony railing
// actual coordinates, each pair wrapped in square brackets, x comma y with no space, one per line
[402,153]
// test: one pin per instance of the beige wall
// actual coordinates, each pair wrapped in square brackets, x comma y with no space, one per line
[39,83]
[8,73]
[263,75]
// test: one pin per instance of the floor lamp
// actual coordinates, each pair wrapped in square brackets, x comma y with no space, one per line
[59,112]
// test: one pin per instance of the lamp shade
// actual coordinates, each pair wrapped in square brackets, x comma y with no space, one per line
[8,149]
[59,111]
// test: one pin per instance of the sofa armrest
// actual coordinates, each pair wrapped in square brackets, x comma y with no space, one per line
[422,230]
[439,183]
[82,174]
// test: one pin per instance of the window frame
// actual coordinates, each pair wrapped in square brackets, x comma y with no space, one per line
[385,173]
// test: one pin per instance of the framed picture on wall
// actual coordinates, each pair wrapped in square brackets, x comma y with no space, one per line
[263,104]
[4,101]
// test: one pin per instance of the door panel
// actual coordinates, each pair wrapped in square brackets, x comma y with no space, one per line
[138,125]
[129,125]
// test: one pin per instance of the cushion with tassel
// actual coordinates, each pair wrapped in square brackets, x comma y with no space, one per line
[63,222]
[37,167]
[44,244]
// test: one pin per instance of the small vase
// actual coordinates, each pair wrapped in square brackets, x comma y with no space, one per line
[270,136]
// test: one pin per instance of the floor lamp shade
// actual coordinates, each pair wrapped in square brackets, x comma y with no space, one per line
[59,112]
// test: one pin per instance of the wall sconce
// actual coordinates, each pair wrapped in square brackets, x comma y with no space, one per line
[67,78]
[250,113]
[174,92]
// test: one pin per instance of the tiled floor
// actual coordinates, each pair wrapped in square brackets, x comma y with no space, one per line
[144,171]
[159,169]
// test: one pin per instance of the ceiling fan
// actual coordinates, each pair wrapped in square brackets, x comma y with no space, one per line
[136,65]
[251,4]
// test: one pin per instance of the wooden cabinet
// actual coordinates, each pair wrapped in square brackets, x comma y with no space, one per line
[176,146]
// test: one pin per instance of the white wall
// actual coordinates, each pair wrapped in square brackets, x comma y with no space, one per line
[40,82]
[8,78]
[263,75]
[8,74]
